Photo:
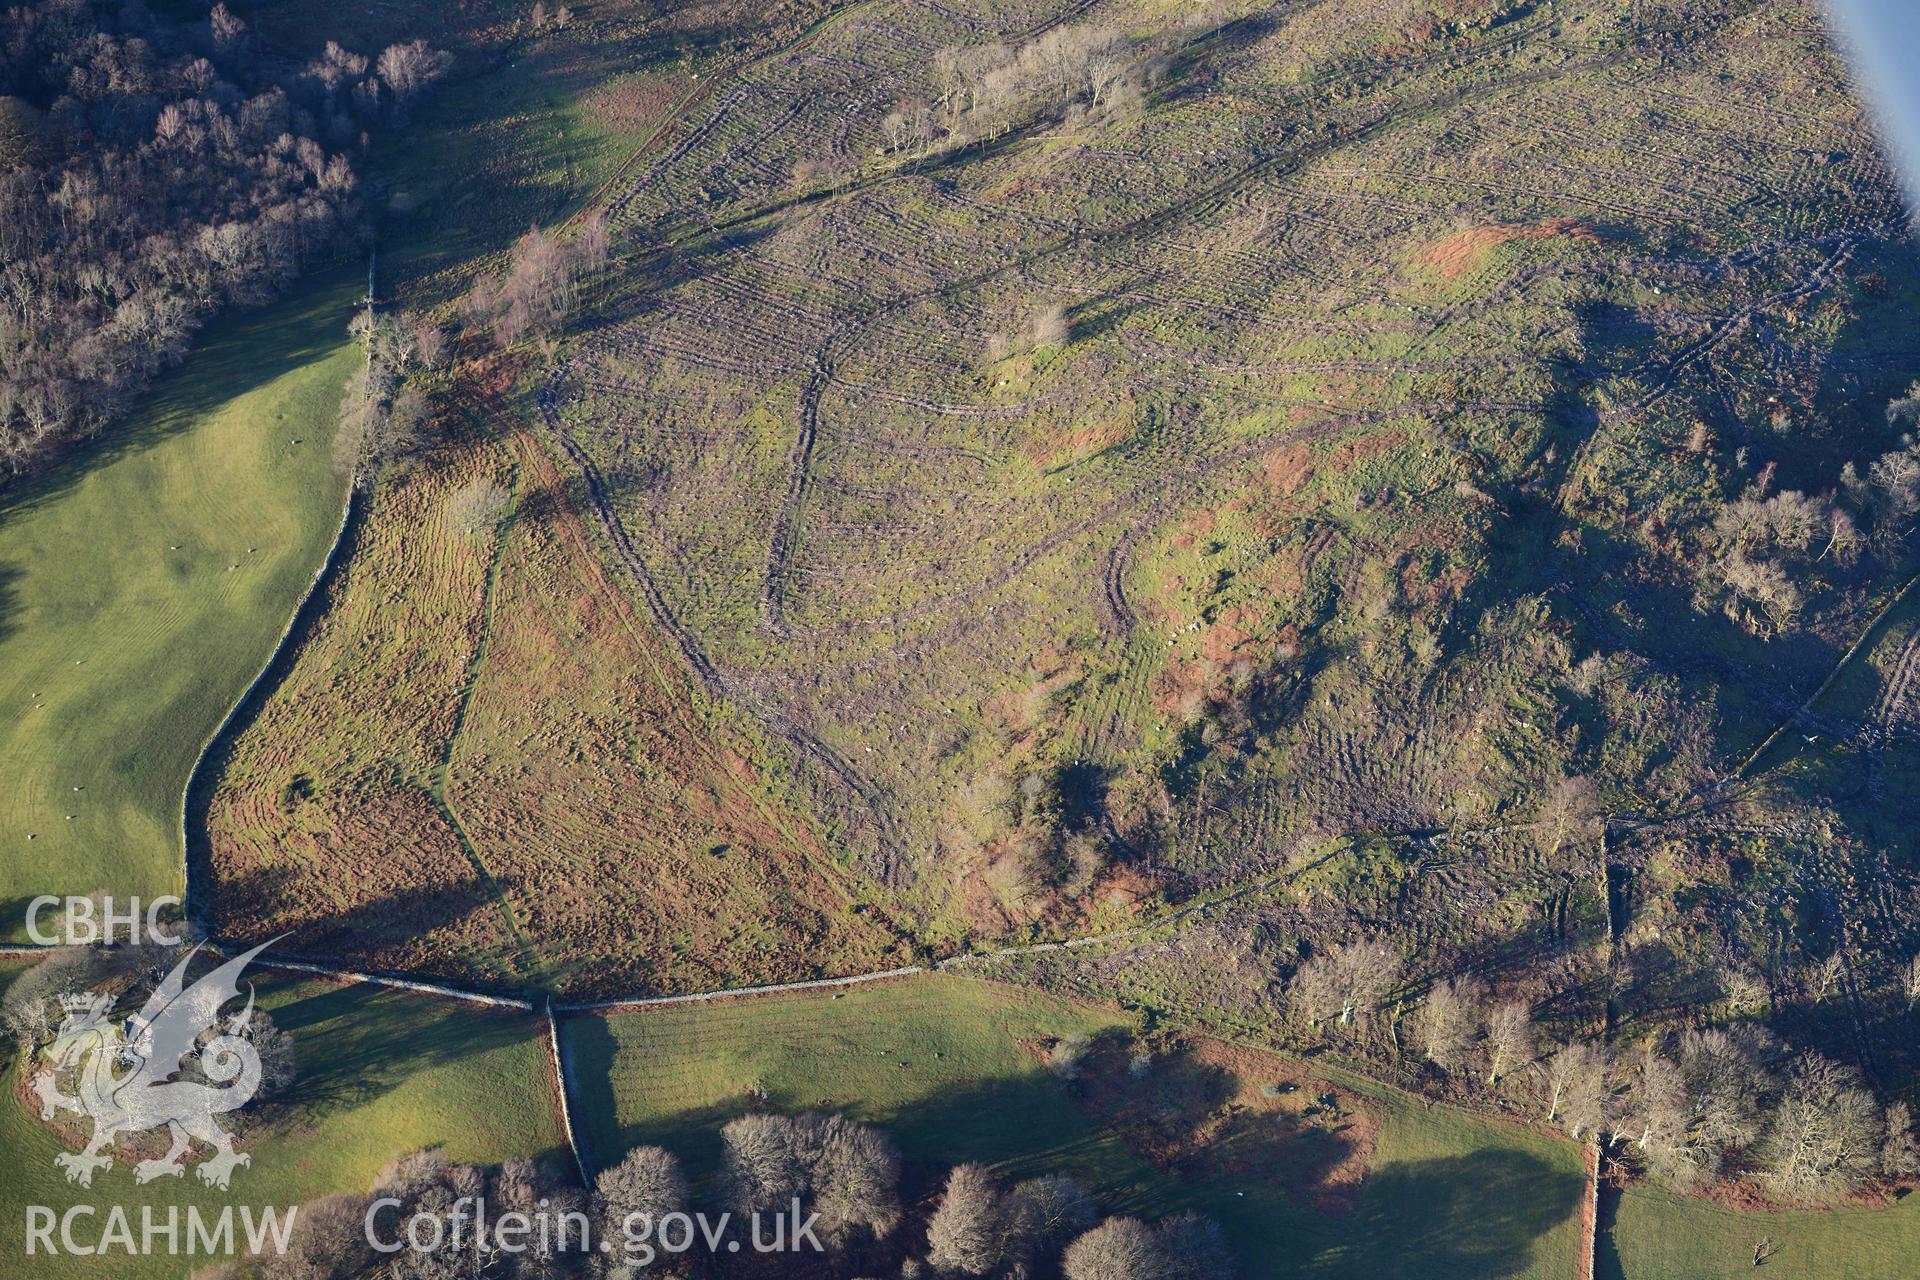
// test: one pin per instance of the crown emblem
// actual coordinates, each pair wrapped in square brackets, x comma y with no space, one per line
[79,1001]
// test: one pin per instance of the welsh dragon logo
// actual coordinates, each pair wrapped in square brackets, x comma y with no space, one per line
[126,1073]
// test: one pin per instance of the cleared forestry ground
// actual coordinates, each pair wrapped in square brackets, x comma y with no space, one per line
[381,1073]
[1368,423]
[481,761]
[143,584]
[954,1069]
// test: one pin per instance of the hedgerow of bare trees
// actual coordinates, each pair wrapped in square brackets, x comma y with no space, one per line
[1042,1226]
[151,174]
[382,419]
[30,1010]
[978,1229]
[1686,1106]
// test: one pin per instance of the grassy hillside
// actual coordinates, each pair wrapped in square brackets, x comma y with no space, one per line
[381,1073]
[953,1069]
[143,584]
[1657,1236]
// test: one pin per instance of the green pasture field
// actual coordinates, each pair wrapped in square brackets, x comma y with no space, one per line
[947,1065]
[1659,1237]
[380,1073]
[142,585]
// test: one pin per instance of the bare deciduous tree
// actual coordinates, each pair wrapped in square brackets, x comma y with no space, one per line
[409,69]
[1043,1213]
[594,241]
[430,346]
[1448,1020]
[761,1170]
[1049,327]
[328,1241]
[1746,991]
[856,1178]
[31,1006]
[1900,1152]
[1654,1115]
[967,1233]
[1825,976]
[1727,1079]
[1117,1249]
[1345,984]
[849,1173]
[646,1184]
[1568,810]
[1574,1088]
[1826,1133]
[1064,1058]
[1509,1038]
[478,505]
[1187,1247]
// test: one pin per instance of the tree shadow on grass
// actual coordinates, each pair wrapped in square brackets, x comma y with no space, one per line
[357,1042]
[1476,1217]
[10,575]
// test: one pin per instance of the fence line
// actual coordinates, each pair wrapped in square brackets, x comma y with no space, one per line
[385,980]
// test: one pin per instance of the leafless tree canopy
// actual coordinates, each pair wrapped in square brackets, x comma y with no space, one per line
[985,90]
[1188,1247]
[1577,1089]
[1510,1038]
[1042,1214]
[967,1233]
[1825,1135]
[1344,986]
[647,1184]
[156,173]
[846,1172]
[478,505]
[1447,1021]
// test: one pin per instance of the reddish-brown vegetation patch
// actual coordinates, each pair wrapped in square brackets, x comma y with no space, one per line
[623,832]
[1081,442]
[1289,469]
[1454,255]
[613,840]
